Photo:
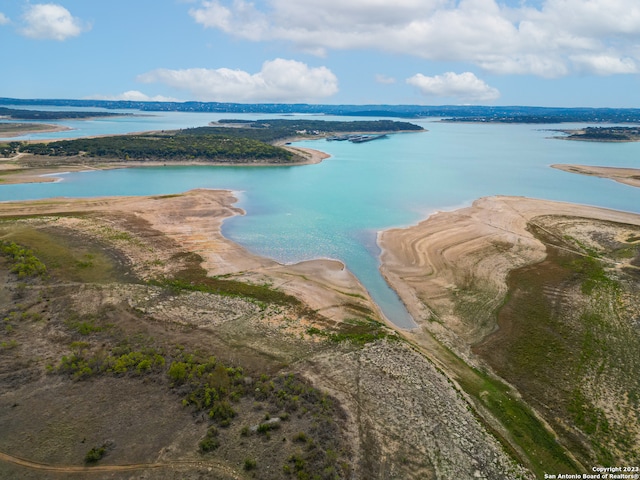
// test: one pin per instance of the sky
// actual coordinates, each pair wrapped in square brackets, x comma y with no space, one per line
[569,53]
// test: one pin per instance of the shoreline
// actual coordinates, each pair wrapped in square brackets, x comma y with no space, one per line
[310,156]
[624,175]
[194,219]
[427,262]
[49,128]
[47,174]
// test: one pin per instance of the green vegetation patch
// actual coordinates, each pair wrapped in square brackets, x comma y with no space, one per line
[358,332]
[95,454]
[273,130]
[210,442]
[23,262]
[84,362]
[224,392]
[66,256]
[169,146]
[194,279]
[565,341]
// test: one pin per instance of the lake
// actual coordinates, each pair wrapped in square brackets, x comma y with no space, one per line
[335,209]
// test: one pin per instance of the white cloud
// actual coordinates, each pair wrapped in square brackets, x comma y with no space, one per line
[464,87]
[604,64]
[244,20]
[279,80]
[548,40]
[133,96]
[51,22]
[385,80]
[4,20]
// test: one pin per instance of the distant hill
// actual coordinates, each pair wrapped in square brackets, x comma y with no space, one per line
[464,113]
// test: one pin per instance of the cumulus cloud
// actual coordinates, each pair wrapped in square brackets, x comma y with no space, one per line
[279,80]
[49,21]
[133,96]
[4,20]
[548,40]
[465,87]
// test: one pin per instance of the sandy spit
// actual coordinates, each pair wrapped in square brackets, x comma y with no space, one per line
[49,128]
[628,176]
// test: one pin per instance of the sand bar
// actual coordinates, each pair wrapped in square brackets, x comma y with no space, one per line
[628,176]
[20,129]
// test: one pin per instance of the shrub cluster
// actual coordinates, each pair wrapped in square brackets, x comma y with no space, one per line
[24,262]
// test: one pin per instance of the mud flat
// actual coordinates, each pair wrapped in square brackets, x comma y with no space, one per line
[628,176]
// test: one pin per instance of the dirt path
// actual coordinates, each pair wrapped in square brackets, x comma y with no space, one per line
[71,469]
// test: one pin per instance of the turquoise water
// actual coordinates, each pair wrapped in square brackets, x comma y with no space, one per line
[335,209]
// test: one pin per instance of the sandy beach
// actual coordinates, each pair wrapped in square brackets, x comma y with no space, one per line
[628,176]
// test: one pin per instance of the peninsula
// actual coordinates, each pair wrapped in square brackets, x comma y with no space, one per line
[603,134]
[15,129]
[628,176]
[540,294]
[227,142]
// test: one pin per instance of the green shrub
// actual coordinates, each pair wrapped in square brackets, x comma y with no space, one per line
[249,464]
[222,413]
[95,454]
[210,442]
[24,263]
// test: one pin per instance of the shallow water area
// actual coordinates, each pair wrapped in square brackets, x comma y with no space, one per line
[335,209]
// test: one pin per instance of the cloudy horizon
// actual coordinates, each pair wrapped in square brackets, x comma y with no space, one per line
[511,52]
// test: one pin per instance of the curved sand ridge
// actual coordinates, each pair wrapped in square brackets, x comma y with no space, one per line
[465,256]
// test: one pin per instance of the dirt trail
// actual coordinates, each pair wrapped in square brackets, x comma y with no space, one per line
[71,469]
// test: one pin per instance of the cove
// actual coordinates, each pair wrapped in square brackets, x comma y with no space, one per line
[336,208]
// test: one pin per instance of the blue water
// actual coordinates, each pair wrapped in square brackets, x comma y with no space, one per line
[335,209]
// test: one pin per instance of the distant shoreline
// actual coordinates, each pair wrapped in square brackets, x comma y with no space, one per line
[35,128]
[12,173]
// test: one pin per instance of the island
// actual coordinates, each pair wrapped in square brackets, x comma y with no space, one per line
[40,115]
[227,142]
[603,134]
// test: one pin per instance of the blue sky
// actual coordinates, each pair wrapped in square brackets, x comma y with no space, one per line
[428,52]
